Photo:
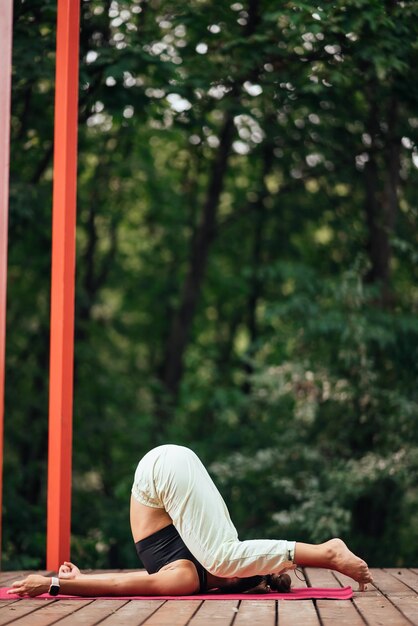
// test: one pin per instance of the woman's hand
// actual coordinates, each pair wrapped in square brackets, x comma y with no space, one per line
[32,585]
[68,571]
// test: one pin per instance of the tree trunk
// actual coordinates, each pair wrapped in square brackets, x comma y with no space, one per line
[257,249]
[205,233]
[381,183]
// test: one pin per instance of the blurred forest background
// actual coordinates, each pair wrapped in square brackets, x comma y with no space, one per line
[247,264]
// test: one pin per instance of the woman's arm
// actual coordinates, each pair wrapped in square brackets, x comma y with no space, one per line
[175,582]
[69,571]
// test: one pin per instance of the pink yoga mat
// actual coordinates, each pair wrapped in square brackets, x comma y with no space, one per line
[341,593]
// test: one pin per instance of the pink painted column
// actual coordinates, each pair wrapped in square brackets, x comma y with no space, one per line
[6,28]
[62,286]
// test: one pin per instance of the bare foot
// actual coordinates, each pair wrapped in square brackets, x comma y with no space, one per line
[345,562]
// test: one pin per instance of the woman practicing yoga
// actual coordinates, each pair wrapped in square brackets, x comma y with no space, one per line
[185,538]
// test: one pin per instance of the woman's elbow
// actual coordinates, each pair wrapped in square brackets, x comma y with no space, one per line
[183,585]
[189,587]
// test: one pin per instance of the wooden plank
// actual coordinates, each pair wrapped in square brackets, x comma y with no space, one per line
[92,612]
[336,611]
[293,612]
[341,612]
[408,605]
[174,612]
[6,603]
[379,611]
[45,612]
[20,610]
[390,585]
[404,575]
[256,613]
[218,612]
[298,579]
[321,578]
[345,581]
[6,578]
[395,587]
[133,613]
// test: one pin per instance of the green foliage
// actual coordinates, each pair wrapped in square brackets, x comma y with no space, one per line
[297,378]
[340,454]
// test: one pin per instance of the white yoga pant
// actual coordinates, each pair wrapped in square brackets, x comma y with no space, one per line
[173,478]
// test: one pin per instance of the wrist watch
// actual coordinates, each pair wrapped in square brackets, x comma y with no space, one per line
[54,588]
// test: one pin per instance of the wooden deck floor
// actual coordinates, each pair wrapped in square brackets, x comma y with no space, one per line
[391,601]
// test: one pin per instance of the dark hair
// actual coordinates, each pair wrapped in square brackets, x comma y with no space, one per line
[260,584]
[278,582]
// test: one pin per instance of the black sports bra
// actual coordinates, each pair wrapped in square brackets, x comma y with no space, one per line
[166,546]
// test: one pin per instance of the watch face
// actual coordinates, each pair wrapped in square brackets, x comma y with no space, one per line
[54,590]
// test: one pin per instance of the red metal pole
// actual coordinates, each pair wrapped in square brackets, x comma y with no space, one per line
[62,285]
[6,30]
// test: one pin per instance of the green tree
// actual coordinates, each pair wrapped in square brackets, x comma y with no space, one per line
[246,266]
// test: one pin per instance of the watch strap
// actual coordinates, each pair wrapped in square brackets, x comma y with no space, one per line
[54,587]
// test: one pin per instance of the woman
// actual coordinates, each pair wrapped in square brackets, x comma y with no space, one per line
[186,540]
